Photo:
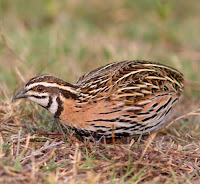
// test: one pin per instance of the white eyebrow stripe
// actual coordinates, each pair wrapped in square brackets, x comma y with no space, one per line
[46,84]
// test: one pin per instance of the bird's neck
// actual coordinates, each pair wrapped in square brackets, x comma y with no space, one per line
[56,102]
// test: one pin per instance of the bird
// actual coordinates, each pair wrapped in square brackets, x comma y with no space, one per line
[117,100]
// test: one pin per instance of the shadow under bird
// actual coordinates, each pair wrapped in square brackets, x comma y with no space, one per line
[124,98]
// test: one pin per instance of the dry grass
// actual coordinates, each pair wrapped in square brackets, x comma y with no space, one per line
[39,157]
[69,38]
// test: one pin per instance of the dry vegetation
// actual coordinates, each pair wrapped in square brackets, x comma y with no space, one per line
[69,38]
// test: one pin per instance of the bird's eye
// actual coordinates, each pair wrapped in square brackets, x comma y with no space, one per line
[40,89]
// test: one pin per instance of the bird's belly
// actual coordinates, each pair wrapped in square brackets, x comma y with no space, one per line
[107,118]
[88,115]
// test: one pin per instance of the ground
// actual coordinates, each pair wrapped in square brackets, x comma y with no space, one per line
[69,38]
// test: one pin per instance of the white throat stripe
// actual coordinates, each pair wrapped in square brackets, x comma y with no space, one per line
[54,106]
[44,102]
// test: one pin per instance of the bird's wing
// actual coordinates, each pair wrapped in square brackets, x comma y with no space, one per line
[103,70]
[129,81]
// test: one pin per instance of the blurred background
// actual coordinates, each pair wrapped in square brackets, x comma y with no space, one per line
[67,38]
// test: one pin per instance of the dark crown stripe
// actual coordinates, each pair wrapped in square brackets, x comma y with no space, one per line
[49,79]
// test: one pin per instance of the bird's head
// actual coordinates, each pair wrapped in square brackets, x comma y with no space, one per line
[47,90]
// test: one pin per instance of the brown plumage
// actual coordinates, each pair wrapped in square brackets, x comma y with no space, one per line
[128,97]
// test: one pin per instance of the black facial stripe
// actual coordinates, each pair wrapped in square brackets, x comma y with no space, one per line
[49,103]
[39,97]
[60,107]
[68,94]
[65,93]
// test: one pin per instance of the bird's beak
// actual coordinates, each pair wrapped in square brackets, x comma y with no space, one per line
[21,94]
